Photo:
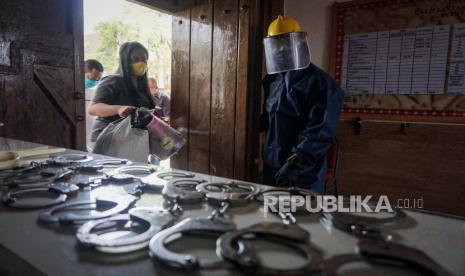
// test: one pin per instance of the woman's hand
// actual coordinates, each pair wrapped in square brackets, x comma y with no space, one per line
[124,111]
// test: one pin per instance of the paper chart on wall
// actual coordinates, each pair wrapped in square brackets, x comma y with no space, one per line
[404,61]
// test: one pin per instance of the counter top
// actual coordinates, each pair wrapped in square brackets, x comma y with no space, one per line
[29,247]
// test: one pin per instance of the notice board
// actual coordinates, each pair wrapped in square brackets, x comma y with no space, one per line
[400,57]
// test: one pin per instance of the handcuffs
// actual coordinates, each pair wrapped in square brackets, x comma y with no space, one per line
[19,170]
[181,191]
[81,162]
[362,226]
[158,180]
[287,217]
[59,214]
[95,166]
[152,220]
[69,159]
[134,171]
[108,162]
[199,226]
[37,179]
[387,253]
[246,259]
[40,174]
[61,190]
[129,174]
[122,175]
[219,194]
[374,246]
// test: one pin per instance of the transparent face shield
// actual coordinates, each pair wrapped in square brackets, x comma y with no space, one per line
[286,52]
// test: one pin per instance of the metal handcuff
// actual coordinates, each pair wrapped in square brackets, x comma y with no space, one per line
[133,171]
[181,191]
[246,258]
[61,190]
[152,180]
[95,166]
[33,182]
[123,175]
[65,159]
[33,178]
[210,227]
[108,162]
[158,180]
[39,174]
[288,217]
[19,170]
[130,174]
[386,253]
[374,246]
[152,220]
[69,159]
[219,194]
[362,226]
[98,166]
[117,204]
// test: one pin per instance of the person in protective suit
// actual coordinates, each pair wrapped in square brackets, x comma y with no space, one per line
[301,110]
[118,95]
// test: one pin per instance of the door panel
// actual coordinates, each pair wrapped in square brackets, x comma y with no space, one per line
[180,83]
[200,87]
[224,69]
[217,101]
[40,95]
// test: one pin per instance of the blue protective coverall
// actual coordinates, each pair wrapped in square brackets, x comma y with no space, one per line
[301,114]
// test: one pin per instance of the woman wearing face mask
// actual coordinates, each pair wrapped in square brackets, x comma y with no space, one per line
[118,95]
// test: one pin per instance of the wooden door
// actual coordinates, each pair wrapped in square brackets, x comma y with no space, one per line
[216,85]
[41,77]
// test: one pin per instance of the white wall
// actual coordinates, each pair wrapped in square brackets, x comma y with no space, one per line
[314,17]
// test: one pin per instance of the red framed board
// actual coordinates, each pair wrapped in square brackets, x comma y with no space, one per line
[400,57]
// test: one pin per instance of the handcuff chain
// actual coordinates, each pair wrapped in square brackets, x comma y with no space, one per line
[138,189]
[367,232]
[92,183]
[287,218]
[174,207]
[220,211]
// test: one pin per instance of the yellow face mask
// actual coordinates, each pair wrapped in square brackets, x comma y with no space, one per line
[139,68]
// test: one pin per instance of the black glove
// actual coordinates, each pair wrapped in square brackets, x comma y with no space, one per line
[141,117]
[287,174]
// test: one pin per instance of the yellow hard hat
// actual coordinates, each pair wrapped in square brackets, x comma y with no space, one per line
[283,25]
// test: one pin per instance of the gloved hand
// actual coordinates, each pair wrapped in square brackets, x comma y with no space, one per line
[125,110]
[141,117]
[287,174]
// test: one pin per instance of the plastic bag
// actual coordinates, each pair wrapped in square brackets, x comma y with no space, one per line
[120,139]
[164,140]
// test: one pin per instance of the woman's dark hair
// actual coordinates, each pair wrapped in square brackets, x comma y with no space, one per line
[141,95]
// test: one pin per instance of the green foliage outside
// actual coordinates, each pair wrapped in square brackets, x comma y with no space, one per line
[147,26]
